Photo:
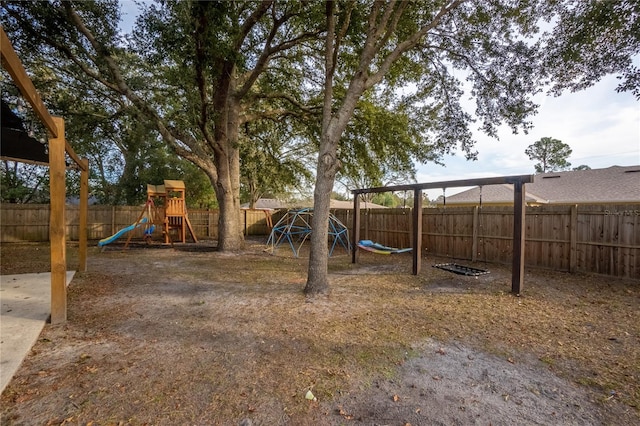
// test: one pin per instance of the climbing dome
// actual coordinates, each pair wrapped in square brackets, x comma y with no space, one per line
[295,227]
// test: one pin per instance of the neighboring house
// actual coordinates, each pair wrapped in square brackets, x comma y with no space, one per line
[266,204]
[337,204]
[273,204]
[614,184]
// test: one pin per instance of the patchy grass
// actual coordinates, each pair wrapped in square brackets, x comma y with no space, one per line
[176,333]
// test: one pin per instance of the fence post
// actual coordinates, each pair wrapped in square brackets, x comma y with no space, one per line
[209,220]
[573,231]
[366,223]
[246,230]
[113,220]
[84,206]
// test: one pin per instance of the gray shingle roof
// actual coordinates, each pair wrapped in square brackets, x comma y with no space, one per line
[266,204]
[339,204]
[614,184]
[273,204]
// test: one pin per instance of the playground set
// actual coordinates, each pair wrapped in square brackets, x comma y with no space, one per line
[166,208]
[295,227]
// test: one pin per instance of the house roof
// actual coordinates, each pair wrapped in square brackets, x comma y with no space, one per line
[266,204]
[273,204]
[338,204]
[614,184]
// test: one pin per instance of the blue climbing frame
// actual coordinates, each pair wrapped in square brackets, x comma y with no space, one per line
[295,227]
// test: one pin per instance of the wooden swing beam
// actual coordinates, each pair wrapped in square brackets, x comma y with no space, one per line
[518,182]
[58,145]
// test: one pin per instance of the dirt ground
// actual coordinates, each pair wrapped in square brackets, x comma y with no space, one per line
[187,335]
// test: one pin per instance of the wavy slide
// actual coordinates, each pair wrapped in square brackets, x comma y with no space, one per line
[121,232]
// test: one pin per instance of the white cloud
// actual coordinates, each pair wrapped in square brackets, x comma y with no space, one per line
[601,126]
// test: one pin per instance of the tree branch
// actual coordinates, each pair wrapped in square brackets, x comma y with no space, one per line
[269,51]
[201,80]
[410,43]
[121,86]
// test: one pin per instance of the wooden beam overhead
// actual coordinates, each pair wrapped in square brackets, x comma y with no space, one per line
[79,161]
[12,64]
[449,184]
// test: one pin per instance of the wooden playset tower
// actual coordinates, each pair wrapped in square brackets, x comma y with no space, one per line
[170,197]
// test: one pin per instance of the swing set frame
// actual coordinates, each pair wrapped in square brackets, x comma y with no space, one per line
[519,203]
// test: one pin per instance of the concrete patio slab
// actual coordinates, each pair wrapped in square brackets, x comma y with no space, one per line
[25,301]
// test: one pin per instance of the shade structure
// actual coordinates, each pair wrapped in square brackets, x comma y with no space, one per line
[16,143]
[295,227]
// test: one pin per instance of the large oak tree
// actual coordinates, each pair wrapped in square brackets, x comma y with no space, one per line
[195,71]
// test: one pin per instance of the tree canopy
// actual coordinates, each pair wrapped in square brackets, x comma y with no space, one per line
[552,155]
[592,39]
[195,72]
[369,86]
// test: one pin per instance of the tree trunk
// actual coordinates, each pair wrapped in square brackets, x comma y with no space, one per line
[230,236]
[227,185]
[318,279]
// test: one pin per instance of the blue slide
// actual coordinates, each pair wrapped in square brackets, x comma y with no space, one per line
[121,232]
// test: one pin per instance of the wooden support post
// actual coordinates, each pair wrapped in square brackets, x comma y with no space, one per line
[57,168]
[417,231]
[573,254]
[355,233]
[84,206]
[517,272]
[474,238]
[193,234]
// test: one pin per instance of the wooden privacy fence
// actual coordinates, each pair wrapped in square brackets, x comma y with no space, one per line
[30,222]
[603,239]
